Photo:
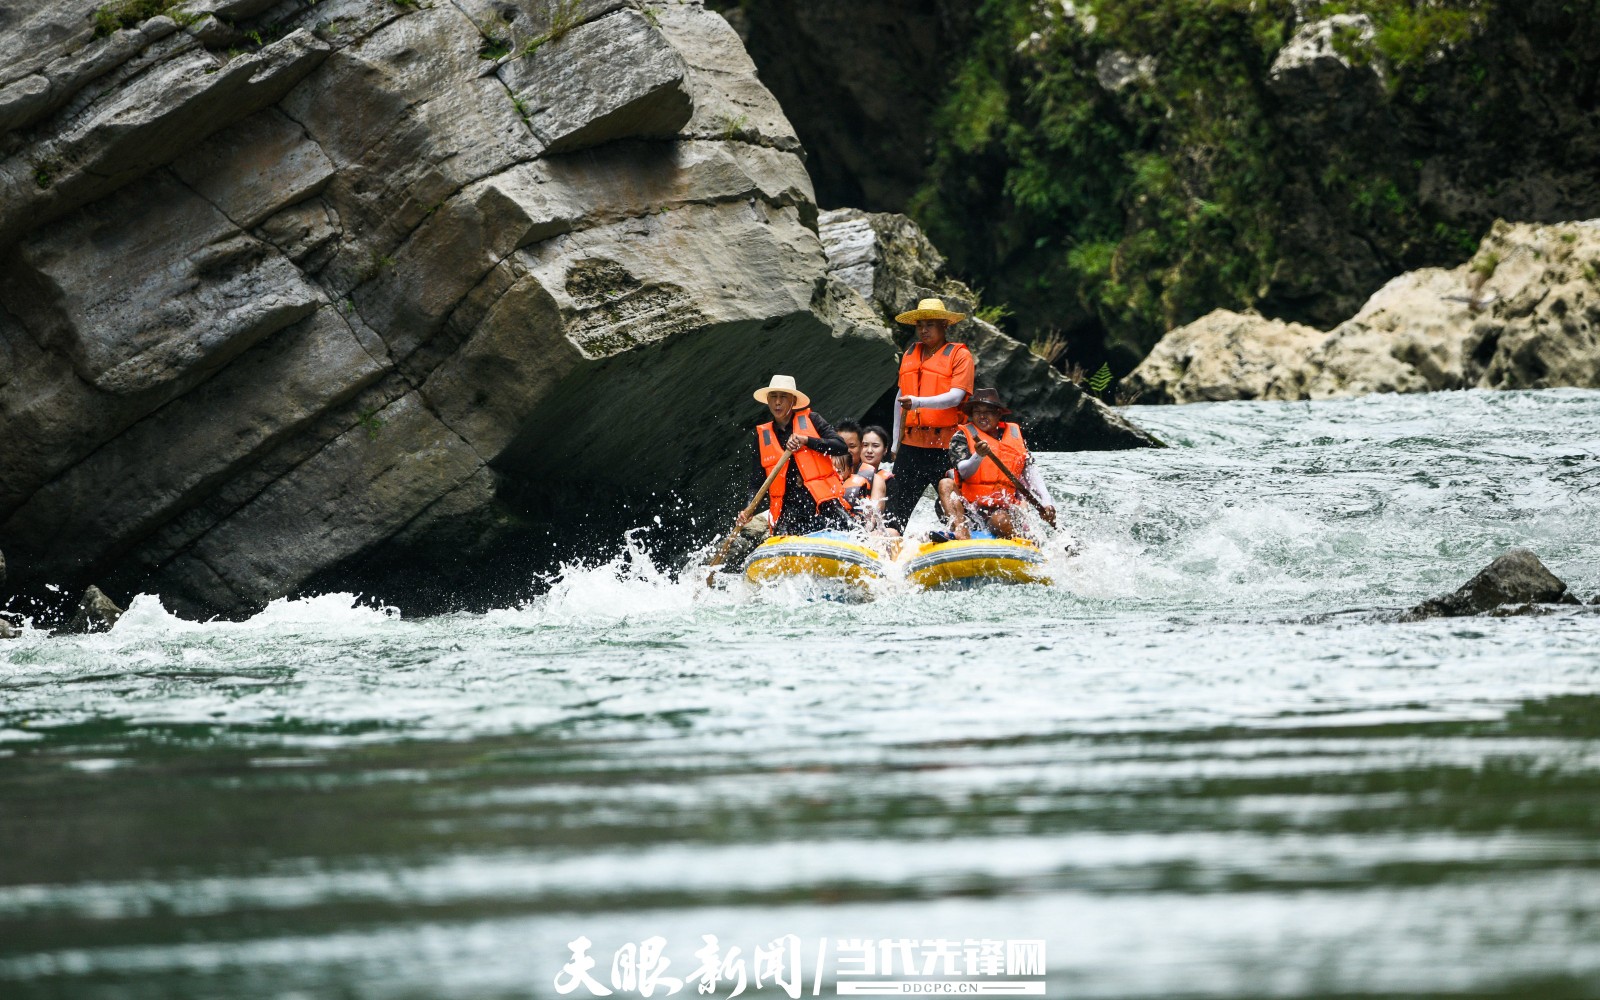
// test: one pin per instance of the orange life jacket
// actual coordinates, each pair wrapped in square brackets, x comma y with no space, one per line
[988,485]
[930,377]
[858,487]
[816,469]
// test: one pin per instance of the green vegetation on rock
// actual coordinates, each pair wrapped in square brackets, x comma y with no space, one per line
[1116,168]
[131,13]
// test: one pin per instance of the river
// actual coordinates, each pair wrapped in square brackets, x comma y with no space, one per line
[1207,763]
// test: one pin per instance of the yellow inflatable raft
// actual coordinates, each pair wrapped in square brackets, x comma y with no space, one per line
[827,555]
[983,559]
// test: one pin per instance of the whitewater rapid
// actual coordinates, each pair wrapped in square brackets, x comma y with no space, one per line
[1208,761]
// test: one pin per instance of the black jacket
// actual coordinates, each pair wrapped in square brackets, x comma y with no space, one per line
[830,444]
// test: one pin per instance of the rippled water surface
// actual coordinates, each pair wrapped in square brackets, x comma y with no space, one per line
[1207,763]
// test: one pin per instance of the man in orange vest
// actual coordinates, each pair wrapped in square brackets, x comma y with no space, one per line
[936,377]
[977,489]
[809,495]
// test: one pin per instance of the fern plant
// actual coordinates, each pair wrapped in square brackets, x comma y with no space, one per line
[1100,380]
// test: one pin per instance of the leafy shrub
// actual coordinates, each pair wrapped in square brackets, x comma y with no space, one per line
[1114,215]
[128,14]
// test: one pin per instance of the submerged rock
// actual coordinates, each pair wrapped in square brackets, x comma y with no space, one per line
[331,284]
[1524,313]
[1516,578]
[96,613]
[892,263]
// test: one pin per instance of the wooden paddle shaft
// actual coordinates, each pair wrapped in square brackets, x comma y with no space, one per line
[1026,493]
[750,508]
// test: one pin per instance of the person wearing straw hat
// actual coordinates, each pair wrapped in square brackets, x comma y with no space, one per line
[977,492]
[936,377]
[809,496]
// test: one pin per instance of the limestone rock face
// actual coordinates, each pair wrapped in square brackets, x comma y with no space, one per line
[1524,313]
[1518,577]
[565,108]
[301,288]
[1311,72]
[891,263]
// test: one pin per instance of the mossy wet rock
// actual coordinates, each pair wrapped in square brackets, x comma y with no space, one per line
[1516,578]
[891,262]
[1523,313]
[353,294]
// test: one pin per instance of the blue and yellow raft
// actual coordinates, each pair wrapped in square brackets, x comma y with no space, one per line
[838,557]
[826,555]
[971,562]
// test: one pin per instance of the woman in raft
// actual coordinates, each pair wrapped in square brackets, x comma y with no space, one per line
[978,493]
[867,488]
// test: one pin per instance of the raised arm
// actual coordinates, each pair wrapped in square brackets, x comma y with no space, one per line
[828,440]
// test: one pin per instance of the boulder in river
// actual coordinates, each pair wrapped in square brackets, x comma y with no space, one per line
[96,613]
[1225,355]
[1523,313]
[1516,578]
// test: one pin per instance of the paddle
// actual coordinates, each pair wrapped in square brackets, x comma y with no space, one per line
[755,501]
[1027,494]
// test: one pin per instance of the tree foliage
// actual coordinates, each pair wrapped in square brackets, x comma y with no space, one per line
[1115,168]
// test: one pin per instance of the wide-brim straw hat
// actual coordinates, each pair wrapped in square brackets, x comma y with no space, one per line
[986,397]
[783,383]
[930,309]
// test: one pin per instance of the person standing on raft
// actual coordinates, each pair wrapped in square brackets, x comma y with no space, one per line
[809,496]
[977,490]
[936,377]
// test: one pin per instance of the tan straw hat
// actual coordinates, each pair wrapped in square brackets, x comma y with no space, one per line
[783,383]
[930,309]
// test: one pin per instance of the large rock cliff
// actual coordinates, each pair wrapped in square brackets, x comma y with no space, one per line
[289,288]
[394,295]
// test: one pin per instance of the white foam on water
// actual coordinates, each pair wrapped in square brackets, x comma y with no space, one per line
[627,586]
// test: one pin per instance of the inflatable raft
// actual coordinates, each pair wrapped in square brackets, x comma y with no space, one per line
[982,559]
[826,555]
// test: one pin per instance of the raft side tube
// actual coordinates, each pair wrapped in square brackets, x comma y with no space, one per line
[976,561]
[829,555]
